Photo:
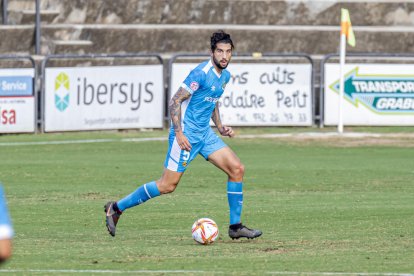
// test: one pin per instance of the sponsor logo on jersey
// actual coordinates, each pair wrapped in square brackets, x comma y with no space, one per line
[211,99]
[194,86]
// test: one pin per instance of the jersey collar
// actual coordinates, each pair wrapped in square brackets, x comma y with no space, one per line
[214,69]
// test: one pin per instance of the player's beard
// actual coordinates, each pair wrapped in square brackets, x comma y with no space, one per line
[217,63]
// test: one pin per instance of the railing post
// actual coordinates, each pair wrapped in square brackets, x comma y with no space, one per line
[4,6]
[37,28]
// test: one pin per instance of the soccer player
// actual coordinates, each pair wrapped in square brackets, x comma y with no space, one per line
[191,108]
[6,230]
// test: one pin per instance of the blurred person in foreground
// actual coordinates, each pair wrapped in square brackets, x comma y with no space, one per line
[191,108]
[6,229]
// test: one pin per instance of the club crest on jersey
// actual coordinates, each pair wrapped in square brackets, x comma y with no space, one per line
[194,86]
[184,163]
[223,86]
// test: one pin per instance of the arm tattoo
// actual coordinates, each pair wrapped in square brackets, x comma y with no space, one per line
[175,107]
[215,116]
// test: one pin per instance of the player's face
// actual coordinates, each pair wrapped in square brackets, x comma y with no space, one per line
[222,55]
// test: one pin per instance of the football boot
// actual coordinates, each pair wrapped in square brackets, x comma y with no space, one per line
[112,217]
[237,231]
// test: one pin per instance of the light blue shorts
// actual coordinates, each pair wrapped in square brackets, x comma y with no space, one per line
[177,160]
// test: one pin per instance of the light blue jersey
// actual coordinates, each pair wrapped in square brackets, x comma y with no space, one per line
[6,230]
[206,86]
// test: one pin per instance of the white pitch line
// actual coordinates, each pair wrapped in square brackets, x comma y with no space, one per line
[11,144]
[79,271]
[241,136]
[327,135]
[59,271]
[338,273]
[144,139]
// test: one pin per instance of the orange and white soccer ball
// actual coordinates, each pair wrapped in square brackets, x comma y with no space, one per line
[205,231]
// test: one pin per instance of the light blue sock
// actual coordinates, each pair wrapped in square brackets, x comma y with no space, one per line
[139,196]
[235,198]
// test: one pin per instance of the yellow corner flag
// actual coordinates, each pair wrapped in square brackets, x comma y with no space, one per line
[346,27]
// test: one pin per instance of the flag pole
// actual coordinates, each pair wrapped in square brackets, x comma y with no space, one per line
[341,82]
[347,35]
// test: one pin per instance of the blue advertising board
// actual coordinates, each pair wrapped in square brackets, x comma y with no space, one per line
[16,86]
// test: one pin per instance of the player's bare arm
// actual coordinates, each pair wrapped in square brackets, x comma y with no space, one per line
[175,112]
[224,130]
[215,116]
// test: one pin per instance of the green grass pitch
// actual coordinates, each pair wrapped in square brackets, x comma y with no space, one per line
[323,207]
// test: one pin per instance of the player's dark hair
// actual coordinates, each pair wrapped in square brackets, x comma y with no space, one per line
[220,37]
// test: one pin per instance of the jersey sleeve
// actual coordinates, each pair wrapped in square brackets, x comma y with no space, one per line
[6,230]
[194,80]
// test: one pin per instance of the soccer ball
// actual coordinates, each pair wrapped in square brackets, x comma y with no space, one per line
[205,231]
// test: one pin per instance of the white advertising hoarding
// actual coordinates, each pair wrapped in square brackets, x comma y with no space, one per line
[17,101]
[374,94]
[261,94]
[103,97]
